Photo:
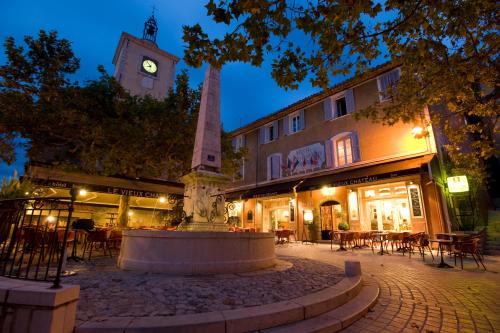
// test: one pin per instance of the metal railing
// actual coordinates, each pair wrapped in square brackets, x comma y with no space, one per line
[34,234]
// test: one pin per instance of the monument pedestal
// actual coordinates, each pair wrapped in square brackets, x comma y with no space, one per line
[204,201]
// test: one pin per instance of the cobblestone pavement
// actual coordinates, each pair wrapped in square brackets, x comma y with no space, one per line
[108,291]
[417,296]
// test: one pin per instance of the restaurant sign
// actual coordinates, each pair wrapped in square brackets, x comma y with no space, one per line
[98,188]
[306,159]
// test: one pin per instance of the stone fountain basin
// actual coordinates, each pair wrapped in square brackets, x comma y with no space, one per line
[196,252]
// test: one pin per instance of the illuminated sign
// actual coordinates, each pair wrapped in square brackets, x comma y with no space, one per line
[458,184]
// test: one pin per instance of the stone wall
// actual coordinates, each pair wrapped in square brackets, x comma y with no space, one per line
[32,307]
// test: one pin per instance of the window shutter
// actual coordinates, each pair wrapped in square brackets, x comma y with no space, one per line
[243,140]
[349,100]
[387,80]
[286,125]
[328,108]
[355,147]
[262,135]
[269,159]
[276,131]
[329,153]
[275,168]
[233,143]
[302,120]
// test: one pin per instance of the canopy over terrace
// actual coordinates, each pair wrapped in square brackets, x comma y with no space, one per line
[148,199]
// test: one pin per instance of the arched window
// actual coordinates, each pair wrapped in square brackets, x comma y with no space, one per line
[342,150]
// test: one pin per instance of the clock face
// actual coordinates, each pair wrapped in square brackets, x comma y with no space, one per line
[149,66]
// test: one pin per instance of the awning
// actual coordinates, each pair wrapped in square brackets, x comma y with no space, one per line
[336,178]
[147,188]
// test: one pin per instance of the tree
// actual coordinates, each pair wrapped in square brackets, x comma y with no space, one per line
[97,127]
[448,52]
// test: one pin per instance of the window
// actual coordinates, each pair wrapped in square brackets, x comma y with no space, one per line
[341,107]
[274,166]
[295,123]
[387,81]
[238,142]
[269,132]
[344,151]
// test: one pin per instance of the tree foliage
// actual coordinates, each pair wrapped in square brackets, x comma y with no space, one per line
[448,52]
[97,127]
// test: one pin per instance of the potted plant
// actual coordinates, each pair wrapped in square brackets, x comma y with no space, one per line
[343,226]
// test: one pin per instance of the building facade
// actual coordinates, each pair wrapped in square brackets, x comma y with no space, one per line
[312,166]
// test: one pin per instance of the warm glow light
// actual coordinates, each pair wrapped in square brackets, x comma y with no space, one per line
[162,199]
[83,192]
[26,193]
[308,216]
[51,218]
[418,132]
[130,213]
[458,184]
[327,190]
[352,197]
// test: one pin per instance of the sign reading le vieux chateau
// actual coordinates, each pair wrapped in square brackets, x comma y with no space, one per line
[99,188]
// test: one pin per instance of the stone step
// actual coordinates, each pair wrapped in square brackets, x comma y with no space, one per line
[336,319]
[251,318]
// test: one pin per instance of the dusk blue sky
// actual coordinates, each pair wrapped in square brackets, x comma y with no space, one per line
[94,27]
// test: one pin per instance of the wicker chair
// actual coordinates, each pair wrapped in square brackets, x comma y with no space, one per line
[100,236]
[469,245]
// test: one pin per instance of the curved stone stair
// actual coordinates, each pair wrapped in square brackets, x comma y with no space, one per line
[329,310]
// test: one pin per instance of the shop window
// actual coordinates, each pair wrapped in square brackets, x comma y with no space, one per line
[274,166]
[386,81]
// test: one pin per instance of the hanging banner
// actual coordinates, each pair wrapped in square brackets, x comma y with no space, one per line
[306,159]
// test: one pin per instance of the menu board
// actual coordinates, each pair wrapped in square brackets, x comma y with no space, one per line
[416,205]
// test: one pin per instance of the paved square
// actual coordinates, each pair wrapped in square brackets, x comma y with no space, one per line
[417,296]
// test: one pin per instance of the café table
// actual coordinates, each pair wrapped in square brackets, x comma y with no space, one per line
[342,234]
[382,236]
[442,243]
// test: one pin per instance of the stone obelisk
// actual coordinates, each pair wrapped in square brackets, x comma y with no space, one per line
[205,185]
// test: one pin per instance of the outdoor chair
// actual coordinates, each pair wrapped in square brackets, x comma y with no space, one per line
[468,245]
[115,239]
[421,241]
[100,237]
[396,239]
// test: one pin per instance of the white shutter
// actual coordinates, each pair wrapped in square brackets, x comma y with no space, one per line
[302,120]
[269,164]
[349,100]
[286,125]
[328,108]
[262,135]
[355,147]
[329,153]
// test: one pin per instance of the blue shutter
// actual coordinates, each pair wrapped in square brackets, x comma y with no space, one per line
[329,153]
[355,147]
[269,164]
[275,166]
[233,143]
[276,130]
[302,120]
[262,135]
[328,108]
[286,125]
[349,100]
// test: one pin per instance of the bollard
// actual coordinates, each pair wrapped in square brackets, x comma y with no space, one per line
[352,268]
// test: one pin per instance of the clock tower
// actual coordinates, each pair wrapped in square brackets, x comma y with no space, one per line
[141,67]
